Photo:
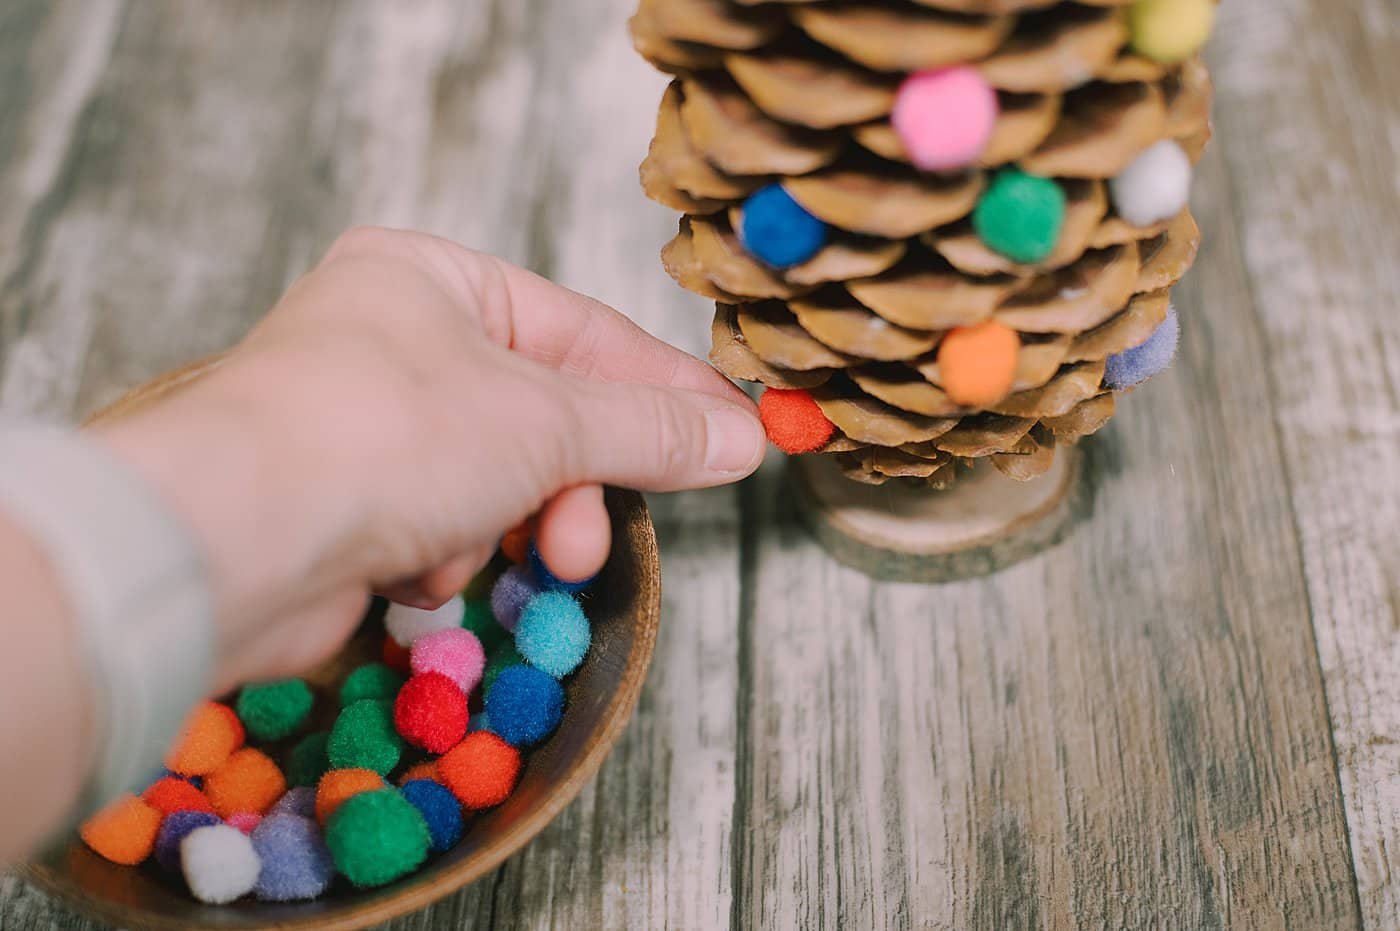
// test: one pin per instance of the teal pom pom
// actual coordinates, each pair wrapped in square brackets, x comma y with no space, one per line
[377,837]
[364,738]
[308,761]
[370,681]
[276,709]
[553,633]
[1020,215]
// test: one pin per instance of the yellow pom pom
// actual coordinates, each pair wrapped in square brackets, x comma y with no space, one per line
[1170,31]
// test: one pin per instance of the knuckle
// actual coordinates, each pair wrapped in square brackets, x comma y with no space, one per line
[672,438]
[364,240]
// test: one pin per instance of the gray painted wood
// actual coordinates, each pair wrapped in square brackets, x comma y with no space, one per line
[1181,716]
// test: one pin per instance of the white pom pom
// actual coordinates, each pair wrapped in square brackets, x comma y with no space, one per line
[220,863]
[1155,186]
[407,624]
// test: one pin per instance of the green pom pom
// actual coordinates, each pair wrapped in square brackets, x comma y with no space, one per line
[308,761]
[372,681]
[505,657]
[276,709]
[481,620]
[1020,215]
[377,837]
[364,737]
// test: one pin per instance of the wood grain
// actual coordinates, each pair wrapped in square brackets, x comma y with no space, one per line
[1130,730]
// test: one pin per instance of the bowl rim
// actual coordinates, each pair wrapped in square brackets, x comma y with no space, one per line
[424,888]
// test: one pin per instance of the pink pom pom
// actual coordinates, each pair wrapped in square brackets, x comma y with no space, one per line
[945,118]
[245,821]
[455,653]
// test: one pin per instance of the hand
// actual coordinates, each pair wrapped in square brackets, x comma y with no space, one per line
[401,407]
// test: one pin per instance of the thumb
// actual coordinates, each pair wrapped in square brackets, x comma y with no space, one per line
[658,438]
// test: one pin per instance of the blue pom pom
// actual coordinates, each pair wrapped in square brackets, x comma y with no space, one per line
[295,862]
[508,596]
[553,634]
[551,582]
[778,231]
[173,830]
[525,705]
[439,808]
[1134,366]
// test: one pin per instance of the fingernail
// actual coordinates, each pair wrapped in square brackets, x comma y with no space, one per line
[733,440]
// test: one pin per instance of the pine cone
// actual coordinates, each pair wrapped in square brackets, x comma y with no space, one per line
[801,94]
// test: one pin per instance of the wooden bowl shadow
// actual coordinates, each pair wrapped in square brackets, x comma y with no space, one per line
[624,606]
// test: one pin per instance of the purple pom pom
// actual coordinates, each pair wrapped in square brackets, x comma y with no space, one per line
[1134,366]
[173,830]
[295,862]
[300,801]
[512,590]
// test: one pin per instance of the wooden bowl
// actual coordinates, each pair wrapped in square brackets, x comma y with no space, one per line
[624,606]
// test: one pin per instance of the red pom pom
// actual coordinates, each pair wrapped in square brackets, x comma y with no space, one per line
[395,656]
[431,712]
[170,795]
[793,420]
[481,770]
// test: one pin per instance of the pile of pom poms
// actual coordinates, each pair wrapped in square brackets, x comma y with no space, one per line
[256,801]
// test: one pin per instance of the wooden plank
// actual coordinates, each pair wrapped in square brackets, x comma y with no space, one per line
[1311,132]
[1127,731]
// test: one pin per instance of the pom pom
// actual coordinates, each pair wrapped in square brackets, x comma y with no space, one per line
[525,705]
[276,709]
[439,809]
[481,721]
[424,770]
[481,770]
[370,681]
[245,821]
[945,118]
[1155,186]
[516,542]
[1134,366]
[553,634]
[407,624]
[296,864]
[363,737]
[248,781]
[173,830]
[508,597]
[977,364]
[793,421]
[395,656]
[211,733]
[455,653]
[548,581]
[431,711]
[779,231]
[340,784]
[1020,215]
[300,801]
[307,760]
[505,657]
[1170,31]
[219,863]
[123,832]
[173,794]
[481,620]
[377,837]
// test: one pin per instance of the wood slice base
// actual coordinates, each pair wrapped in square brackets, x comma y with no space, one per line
[912,533]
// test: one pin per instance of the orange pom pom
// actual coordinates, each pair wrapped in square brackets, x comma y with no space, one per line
[427,770]
[395,656]
[123,832]
[793,421]
[339,784]
[977,364]
[211,734]
[170,795]
[516,543]
[248,781]
[481,770]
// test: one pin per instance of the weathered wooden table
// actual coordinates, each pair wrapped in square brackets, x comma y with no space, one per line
[1185,716]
